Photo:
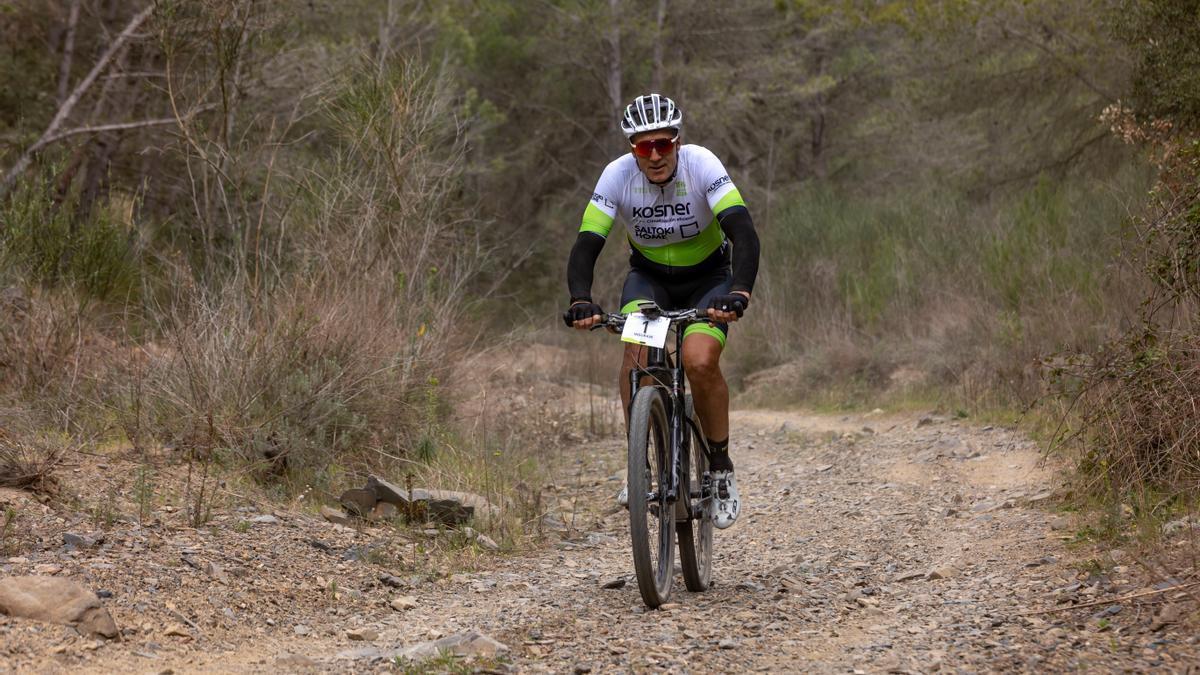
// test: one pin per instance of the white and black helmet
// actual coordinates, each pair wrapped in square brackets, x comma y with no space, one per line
[650,112]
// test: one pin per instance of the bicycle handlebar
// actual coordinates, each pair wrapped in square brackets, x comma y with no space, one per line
[617,321]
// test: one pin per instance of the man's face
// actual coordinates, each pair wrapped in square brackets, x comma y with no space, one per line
[659,165]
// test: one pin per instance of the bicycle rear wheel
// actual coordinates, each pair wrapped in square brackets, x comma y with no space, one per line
[695,533]
[651,520]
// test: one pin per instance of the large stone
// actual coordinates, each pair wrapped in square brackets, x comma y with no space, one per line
[449,511]
[358,501]
[393,494]
[56,600]
[448,507]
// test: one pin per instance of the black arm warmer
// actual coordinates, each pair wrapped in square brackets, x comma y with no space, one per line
[582,263]
[739,228]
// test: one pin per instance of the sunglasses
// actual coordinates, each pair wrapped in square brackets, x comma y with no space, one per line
[664,146]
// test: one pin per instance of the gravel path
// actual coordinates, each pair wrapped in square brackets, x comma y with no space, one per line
[874,545]
[866,544]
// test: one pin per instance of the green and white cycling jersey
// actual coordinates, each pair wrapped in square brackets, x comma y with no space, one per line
[673,224]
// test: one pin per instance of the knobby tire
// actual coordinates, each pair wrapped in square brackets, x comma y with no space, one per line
[651,525]
[695,534]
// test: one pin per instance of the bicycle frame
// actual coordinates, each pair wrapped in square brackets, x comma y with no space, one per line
[664,408]
[669,375]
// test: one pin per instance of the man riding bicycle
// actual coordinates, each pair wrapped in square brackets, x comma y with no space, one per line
[683,216]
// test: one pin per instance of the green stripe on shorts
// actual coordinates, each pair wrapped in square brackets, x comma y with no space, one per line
[706,329]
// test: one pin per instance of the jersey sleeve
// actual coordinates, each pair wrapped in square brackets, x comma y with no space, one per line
[719,189]
[602,207]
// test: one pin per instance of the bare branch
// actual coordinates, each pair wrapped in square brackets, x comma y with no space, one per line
[68,106]
[1072,69]
[122,126]
[68,52]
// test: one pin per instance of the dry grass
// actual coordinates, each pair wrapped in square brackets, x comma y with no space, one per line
[1131,405]
[28,460]
[313,348]
[1142,404]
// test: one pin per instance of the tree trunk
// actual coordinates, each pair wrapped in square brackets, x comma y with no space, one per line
[656,77]
[68,53]
[817,126]
[614,64]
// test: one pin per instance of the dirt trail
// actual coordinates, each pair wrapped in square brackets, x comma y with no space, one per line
[867,543]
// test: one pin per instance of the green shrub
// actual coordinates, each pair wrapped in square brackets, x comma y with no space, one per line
[48,242]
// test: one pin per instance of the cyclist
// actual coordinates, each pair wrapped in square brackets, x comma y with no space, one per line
[693,245]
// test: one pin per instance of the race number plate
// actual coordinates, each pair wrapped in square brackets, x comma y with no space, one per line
[642,330]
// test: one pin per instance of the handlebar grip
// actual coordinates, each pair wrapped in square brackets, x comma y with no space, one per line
[566,317]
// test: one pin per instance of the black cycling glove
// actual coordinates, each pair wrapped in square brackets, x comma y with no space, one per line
[580,311]
[733,302]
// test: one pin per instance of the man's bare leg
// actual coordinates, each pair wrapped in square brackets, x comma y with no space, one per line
[702,361]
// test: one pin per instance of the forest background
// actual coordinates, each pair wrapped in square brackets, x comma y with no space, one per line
[262,233]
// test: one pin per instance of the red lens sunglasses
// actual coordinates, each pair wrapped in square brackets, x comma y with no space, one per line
[664,146]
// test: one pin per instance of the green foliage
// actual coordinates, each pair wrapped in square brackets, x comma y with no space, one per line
[1130,404]
[49,242]
[926,292]
[894,254]
[1165,38]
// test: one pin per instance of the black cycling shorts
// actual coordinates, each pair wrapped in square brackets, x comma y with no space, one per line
[679,293]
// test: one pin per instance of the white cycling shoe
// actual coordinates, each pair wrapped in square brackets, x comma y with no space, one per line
[623,496]
[725,505]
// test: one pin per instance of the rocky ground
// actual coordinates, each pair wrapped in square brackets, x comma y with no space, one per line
[868,543]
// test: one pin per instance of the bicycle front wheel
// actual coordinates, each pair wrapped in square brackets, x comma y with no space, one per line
[651,518]
[695,528]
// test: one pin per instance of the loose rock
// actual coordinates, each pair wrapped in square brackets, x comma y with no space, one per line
[335,516]
[403,602]
[362,634]
[56,600]
[946,572]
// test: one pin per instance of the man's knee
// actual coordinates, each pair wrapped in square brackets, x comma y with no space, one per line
[703,362]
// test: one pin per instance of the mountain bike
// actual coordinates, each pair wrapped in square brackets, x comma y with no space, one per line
[670,489]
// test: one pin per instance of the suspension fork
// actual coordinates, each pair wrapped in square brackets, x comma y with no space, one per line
[673,391]
[678,423]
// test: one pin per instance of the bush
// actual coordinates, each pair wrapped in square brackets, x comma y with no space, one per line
[27,460]
[1135,413]
[49,242]
[332,353]
[1131,406]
